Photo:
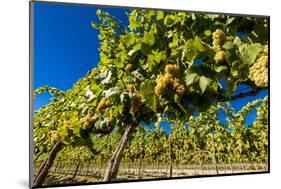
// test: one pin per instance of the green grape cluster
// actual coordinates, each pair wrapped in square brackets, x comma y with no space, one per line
[169,80]
[103,104]
[259,71]
[172,69]
[87,119]
[65,124]
[136,101]
[220,56]
[54,137]
[128,67]
[219,39]
[130,87]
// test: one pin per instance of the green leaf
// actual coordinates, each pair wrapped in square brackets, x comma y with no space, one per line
[170,20]
[203,83]
[220,68]
[240,70]
[152,64]
[63,130]
[131,52]
[189,52]
[76,128]
[191,78]
[149,38]
[249,53]
[160,15]
[198,44]
[192,47]
[99,11]
[119,64]
[130,39]
[102,74]
[95,25]
[145,49]
[158,56]
[126,41]
[138,75]
[230,20]
[228,45]
[154,59]
[135,49]
[134,24]
[175,41]
[147,90]
[207,32]
[237,41]
[112,91]
[117,109]
[107,79]
[96,89]
[104,58]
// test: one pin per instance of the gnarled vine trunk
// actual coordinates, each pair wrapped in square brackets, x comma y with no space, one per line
[171,159]
[41,168]
[215,163]
[114,162]
[76,170]
[140,167]
[37,156]
[47,164]
[100,169]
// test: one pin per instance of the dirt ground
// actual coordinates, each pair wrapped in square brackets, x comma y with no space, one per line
[60,177]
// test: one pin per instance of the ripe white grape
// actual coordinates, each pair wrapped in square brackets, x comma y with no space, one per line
[170,81]
[259,71]
[220,56]
[136,102]
[219,38]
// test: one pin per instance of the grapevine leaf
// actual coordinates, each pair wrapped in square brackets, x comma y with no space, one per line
[220,68]
[129,39]
[102,75]
[203,83]
[149,38]
[107,79]
[76,129]
[192,47]
[154,59]
[112,91]
[207,32]
[160,15]
[237,41]
[147,90]
[138,75]
[249,53]
[198,44]
[119,64]
[230,20]
[145,49]
[228,45]
[171,20]
[191,78]
[96,89]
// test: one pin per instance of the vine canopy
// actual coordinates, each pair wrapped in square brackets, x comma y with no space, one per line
[164,63]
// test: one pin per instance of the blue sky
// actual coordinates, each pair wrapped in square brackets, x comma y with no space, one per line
[66,47]
[65,44]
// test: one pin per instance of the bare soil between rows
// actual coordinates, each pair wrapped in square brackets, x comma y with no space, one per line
[61,178]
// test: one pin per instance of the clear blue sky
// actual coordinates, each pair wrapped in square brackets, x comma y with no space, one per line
[66,47]
[65,44]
